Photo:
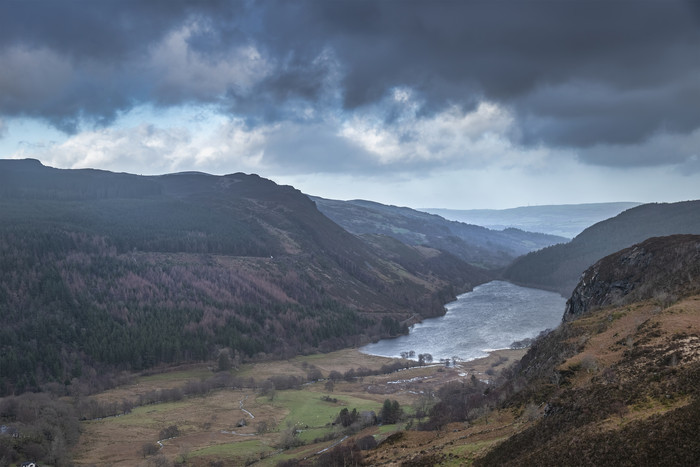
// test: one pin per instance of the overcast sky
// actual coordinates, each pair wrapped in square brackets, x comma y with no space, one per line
[459,104]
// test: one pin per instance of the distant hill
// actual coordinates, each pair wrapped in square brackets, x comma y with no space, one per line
[474,244]
[559,267]
[102,271]
[567,220]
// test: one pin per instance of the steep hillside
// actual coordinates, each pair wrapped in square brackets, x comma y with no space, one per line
[474,244]
[618,385]
[661,268]
[566,220]
[559,267]
[104,271]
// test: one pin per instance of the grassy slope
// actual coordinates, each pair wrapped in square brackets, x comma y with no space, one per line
[615,384]
[627,395]
[621,395]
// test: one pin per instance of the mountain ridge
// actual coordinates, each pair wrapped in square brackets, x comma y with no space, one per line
[102,271]
[558,267]
[475,244]
[566,220]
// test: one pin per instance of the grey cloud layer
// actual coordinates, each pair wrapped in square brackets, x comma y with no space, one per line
[586,75]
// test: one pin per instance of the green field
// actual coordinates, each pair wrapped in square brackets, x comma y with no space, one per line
[245,424]
[241,449]
[306,408]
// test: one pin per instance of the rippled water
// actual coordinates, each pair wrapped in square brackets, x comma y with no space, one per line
[492,316]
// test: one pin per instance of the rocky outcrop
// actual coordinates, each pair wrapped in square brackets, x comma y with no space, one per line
[661,268]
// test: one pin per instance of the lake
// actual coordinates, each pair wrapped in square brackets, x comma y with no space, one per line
[491,317]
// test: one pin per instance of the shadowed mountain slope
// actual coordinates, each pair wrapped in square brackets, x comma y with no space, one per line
[100,271]
[559,267]
[476,245]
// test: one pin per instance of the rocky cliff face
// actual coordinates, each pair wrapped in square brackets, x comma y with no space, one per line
[662,268]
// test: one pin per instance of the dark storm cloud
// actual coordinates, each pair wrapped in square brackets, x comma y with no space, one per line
[510,52]
[575,74]
[86,29]
[94,46]
[278,96]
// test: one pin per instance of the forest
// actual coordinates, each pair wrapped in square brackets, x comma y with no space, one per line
[103,272]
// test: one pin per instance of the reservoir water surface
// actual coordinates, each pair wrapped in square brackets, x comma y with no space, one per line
[492,316]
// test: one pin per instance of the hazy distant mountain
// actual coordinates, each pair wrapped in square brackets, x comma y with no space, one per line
[104,270]
[559,267]
[474,244]
[567,220]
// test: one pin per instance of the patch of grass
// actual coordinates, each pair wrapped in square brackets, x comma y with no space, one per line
[183,376]
[464,454]
[310,434]
[146,415]
[384,429]
[238,449]
[307,409]
[246,371]
[298,453]
[469,448]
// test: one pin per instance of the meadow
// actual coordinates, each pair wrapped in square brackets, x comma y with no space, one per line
[258,424]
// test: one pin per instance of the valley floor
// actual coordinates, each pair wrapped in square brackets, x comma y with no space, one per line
[242,426]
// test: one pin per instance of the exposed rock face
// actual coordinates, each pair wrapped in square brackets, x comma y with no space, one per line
[660,267]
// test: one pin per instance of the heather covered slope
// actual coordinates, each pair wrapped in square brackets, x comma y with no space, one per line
[617,383]
[477,245]
[105,271]
[559,267]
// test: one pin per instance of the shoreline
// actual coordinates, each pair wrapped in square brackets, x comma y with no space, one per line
[496,360]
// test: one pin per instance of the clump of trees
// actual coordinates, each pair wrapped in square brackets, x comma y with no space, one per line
[37,426]
[460,401]
[423,358]
[346,418]
[391,412]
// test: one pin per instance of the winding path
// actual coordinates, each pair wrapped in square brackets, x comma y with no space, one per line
[332,445]
[240,405]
